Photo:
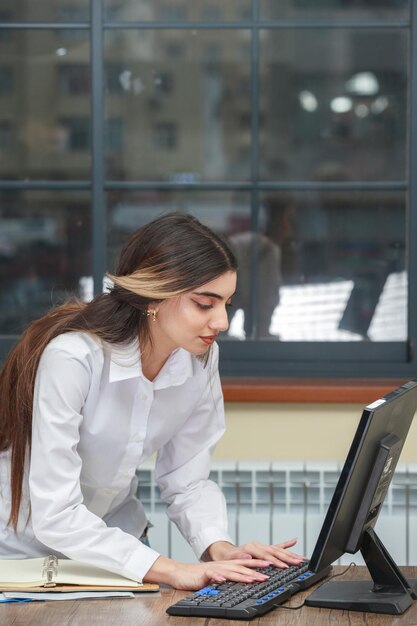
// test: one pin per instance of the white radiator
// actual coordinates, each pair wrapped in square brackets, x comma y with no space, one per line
[271,502]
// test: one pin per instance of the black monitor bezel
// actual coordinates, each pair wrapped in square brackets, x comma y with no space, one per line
[325,552]
[350,519]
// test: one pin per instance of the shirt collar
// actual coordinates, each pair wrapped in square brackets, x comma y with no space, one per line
[180,366]
[125,363]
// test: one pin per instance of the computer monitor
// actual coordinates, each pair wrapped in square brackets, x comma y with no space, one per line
[355,506]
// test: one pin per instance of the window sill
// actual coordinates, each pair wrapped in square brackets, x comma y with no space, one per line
[307,390]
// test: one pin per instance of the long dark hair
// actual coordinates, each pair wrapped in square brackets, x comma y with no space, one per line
[167,257]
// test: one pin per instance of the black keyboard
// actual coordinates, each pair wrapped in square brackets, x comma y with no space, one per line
[248,600]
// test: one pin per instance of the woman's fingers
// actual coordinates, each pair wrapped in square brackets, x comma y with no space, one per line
[286,544]
[277,554]
[237,570]
[242,570]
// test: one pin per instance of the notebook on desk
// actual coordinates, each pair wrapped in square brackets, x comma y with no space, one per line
[50,574]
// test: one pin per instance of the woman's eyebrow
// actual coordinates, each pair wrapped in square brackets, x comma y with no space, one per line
[211,294]
[208,294]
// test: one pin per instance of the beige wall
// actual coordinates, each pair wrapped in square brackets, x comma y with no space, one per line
[295,431]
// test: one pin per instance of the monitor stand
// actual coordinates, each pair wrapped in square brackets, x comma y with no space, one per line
[387,592]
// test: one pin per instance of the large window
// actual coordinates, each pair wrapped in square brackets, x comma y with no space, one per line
[287,127]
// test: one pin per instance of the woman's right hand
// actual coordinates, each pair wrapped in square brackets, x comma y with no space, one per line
[195,576]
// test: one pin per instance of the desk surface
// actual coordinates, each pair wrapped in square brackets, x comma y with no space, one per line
[149,610]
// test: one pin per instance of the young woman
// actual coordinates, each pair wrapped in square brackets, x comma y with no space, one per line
[92,390]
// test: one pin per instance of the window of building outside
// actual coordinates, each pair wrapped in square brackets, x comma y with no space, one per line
[287,127]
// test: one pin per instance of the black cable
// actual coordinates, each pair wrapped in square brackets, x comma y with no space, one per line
[327,580]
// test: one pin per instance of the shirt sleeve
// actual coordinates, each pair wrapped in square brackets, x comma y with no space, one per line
[60,520]
[194,503]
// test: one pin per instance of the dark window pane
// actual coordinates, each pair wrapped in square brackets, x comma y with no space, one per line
[335,9]
[211,11]
[190,106]
[114,135]
[6,138]
[334,104]
[45,10]
[45,85]
[116,78]
[172,12]
[74,79]
[78,11]
[75,134]
[174,49]
[328,266]
[6,35]
[45,248]
[5,16]
[6,81]
[165,135]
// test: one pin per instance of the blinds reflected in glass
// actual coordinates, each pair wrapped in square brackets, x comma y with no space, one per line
[330,266]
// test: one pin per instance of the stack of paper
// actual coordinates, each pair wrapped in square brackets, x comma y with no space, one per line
[50,579]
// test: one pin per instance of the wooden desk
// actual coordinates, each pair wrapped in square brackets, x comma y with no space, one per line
[149,610]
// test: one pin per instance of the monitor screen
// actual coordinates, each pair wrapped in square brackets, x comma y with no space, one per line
[356,504]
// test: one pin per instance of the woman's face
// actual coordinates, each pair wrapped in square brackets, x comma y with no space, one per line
[193,320]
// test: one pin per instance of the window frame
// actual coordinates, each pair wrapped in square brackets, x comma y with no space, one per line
[256,358]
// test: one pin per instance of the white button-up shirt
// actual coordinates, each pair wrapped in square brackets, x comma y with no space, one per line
[96,418]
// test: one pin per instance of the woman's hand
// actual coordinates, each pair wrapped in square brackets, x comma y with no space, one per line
[277,554]
[195,576]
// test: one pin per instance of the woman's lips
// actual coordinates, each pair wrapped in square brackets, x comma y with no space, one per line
[209,339]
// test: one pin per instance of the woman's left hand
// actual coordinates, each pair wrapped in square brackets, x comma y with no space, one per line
[277,554]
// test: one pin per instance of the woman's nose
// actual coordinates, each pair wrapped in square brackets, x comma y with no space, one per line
[220,321]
